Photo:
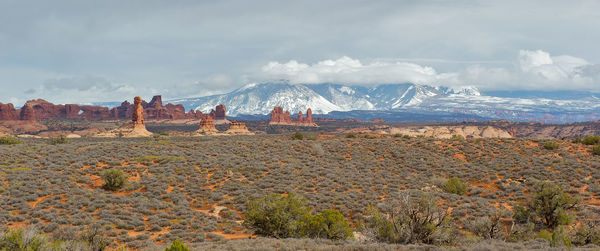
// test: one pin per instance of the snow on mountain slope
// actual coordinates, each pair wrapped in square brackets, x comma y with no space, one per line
[324,98]
[260,99]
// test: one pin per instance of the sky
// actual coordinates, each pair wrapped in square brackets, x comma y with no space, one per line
[84,51]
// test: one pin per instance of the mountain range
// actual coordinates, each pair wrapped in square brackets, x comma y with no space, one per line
[397,101]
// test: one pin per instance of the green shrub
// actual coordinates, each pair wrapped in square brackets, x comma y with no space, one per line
[556,238]
[114,179]
[591,140]
[351,135]
[397,135]
[287,217]
[577,140]
[455,186]
[277,215]
[62,139]
[177,245]
[550,145]
[297,136]
[550,205]
[596,150]
[329,224]
[369,136]
[458,137]
[18,239]
[9,140]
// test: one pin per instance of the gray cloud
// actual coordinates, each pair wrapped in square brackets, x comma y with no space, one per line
[157,46]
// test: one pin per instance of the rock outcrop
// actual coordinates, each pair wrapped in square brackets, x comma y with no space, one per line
[238,128]
[446,132]
[137,127]
[28,113]
[207,126]
[8,112]
[155,110]
[278,117]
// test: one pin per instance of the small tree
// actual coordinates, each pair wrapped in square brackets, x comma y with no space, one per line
[297,136]
[329,224]
[551,205]
[455,186]
[114,179]
[277,216]
[177,245]
[410,221]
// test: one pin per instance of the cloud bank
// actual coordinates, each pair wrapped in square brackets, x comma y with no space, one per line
[532,69]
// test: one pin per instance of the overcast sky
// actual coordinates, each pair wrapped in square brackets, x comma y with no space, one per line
[87,51]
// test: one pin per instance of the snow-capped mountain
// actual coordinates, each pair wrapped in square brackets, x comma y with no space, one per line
[255,99]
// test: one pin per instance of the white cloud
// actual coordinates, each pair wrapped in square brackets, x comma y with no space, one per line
[350,71]
[535,70]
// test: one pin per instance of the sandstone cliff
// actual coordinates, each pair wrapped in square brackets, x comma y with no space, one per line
[446,132]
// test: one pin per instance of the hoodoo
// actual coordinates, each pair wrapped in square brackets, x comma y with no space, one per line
[207,126]
[137,127]
[238,128]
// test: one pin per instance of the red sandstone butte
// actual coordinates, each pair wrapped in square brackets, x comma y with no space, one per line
[278,117]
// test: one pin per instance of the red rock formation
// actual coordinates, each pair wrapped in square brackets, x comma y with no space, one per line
[28,113]
[154,110]
[237,128]
[156,102]
[220,112]
[207,125]
[8,112]
[138,112]
[278,117]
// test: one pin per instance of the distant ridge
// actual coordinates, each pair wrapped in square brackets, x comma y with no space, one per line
[405,98]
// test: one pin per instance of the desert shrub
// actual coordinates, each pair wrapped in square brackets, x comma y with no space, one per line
[550,145]
[486,227]
[18,239]
[287,216]
[457,137]
[369,136]
[586,233]
[93,237]
[177,245]
[297,136]
[596,150]
[351,135]
[329,224]
[409,220]
[114,179]
[62,139]
[455,186]
[397,135]
[556,238]
[277,215]
[577,140]
[9,140]
[549,205]
[591,140]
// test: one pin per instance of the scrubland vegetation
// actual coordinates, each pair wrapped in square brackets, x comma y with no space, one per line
[324,191]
